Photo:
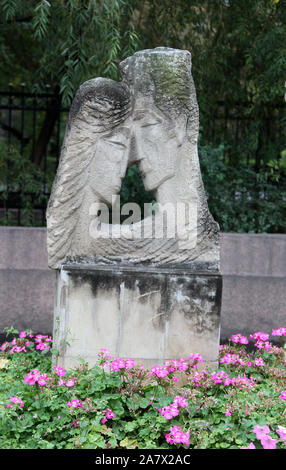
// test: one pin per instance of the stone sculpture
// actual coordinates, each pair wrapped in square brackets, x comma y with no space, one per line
[150,289]
[151,117]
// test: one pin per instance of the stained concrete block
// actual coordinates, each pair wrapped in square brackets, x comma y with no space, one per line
[146,315]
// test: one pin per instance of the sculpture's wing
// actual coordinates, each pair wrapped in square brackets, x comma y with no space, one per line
[99,105]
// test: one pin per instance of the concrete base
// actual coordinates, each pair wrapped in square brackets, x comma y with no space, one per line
[143,313]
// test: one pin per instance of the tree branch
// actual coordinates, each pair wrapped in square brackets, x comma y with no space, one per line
[14,132]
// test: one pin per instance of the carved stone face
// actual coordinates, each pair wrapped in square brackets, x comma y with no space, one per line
[110,163]
[155,150]
[156,147]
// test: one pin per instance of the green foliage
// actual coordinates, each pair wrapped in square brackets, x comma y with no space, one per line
[64,43]
[133,190]
[242,200]
[26,184]
[41,19]
[218,414]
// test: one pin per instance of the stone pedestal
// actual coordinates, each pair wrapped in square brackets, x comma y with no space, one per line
[144,313]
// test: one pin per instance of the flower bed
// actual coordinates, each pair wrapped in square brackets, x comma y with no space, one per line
[118,404]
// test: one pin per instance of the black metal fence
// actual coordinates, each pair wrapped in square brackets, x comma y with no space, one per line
[31,132]
[32,128]
[251,136]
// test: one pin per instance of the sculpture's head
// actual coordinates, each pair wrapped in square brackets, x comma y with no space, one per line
[100,110]
[93,159]
[164,104]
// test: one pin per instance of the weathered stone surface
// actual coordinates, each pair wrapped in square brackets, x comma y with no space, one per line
[150,315]
[151,117]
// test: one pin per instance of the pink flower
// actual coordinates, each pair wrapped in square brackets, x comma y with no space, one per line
[259,362]
[5,346]
[35,376]
[59,370]
[283,395]
[70,383]
[180,402]
[281,431]
[108,414]
[160,372]
[279,332]
[42,381]
[104,353]
[268,443]
[169,438]
[231,359]
[251,446]
[42,346]
[227,413]
[177,436]
[15,400]
[20,349]
[264,345]
[42,342]
[41,338]
[195,359]
[22,334]
[117,364]
[169,411]
[30,379]
[261,431]
[260,336]
[74,403]
[130,363]
[238,338]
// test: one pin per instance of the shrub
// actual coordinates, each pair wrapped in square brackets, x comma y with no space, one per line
[118,404]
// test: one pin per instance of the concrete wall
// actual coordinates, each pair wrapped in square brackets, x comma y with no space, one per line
[26,284]
[253,268]
[254,283]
